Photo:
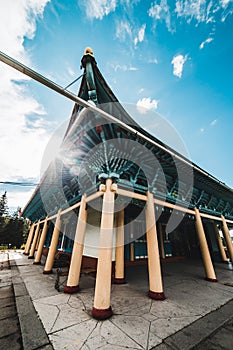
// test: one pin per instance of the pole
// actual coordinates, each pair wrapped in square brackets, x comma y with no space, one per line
[77,253]
[209,269]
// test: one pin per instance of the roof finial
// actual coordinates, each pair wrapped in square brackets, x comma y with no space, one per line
[87,57]
[88,51]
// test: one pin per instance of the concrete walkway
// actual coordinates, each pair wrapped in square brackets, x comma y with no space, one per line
[10,333]
[194,312]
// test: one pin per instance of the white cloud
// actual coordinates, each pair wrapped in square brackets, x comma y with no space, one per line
[21,140]
[202,130]
[207,41]
[141,34]
[71,72]
[140,91]
[178,62]
[17,199]
[146,103]
[203,11]
[160,12]
[214,122]
[153,60]
[123,67]
[225,3]
[196,9]
[123,30]
[99,8]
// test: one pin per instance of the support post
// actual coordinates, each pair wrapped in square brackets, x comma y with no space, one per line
[77,253]
[38,239]
[209,269]
[119,277]
[154,268]
[29,240]
[227,237]
[53,245]
[33,247]
[132,251]
[37,260]
[102,308]
[161,240]
[220,244]
[131,246]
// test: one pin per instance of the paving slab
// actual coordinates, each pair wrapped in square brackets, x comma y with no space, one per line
[11,342]
[196,332]
[137,322]
[74,337]
[32,330]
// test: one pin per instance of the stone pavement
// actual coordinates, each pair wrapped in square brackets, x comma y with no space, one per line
[193,315]
[10,333]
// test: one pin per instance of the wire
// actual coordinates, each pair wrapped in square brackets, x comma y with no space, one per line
[14,183]
[74,81]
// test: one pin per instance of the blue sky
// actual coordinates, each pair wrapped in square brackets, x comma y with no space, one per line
[173,57]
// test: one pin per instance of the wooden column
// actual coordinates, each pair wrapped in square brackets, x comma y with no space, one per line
[131,251]
[227,237]
[209,269]
[102,308]
[33,247]
[154,269]
[119,250]
[161,240]
[37,260]
[38,239]
[53,245]
[77,253]
[220,244]
[131,246]
[29,240]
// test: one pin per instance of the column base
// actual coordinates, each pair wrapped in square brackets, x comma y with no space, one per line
[101,314]
[156,295]
[118,280]
[47,272]
[71,290]
[31,257]
[37,263]
[211,279]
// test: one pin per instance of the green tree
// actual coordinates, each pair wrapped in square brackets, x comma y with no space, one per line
[3,213]
[13,229]
[3,205]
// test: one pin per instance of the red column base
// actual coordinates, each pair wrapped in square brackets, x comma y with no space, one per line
[101,314]
[156,295]
[37,263]
[47,272]
[31,257]
[118,281]
[71,290]
[211,279]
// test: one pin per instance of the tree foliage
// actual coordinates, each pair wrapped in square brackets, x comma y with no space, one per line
[3,205]
[13,229]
